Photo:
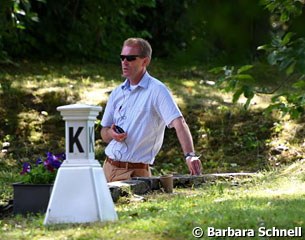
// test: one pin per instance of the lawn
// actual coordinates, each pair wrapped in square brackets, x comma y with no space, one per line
[228,138]
[270,199]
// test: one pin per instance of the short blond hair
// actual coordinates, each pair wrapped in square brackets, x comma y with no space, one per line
[142,44]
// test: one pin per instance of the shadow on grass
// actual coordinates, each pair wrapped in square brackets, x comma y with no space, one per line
[31,123]
[228,138]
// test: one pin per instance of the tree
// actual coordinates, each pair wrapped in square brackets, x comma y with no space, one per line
[15,15]
[286,51]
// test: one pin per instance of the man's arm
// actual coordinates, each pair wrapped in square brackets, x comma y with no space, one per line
[186,142]
[106,136]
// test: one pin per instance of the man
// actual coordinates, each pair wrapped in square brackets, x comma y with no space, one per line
[135,118]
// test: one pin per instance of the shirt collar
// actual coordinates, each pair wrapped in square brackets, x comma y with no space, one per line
[143,82]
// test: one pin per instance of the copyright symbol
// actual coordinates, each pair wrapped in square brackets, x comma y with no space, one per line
[197,232]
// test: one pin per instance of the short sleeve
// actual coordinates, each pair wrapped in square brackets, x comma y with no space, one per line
[166,105]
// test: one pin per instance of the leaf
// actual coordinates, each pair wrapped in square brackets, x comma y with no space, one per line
[246,105]
[244,68]
[20,26]
[290,68]
[272,57]
[237,94]
[21,12]
[265,47]
[287,38]
[299,84]
[245,78]
[232,85]
[284,17]
[35,19]
[248,92]
[294,113]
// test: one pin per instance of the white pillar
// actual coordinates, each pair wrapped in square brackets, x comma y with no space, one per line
[80,193]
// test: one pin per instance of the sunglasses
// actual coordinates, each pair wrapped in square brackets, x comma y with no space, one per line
[129,58]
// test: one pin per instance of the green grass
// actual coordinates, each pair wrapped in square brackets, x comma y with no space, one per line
[228,138]
[271,199]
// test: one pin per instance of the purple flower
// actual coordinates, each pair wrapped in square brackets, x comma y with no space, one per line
[26,168]
[39,161]
[54,161]
[50,157]
[48,165]
[51,163]
[56,164]
[60,156]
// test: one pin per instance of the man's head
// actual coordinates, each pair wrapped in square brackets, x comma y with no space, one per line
[135,57]
[142,45]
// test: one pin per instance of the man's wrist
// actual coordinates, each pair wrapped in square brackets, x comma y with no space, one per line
[189,154]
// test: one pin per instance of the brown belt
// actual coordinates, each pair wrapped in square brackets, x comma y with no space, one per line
[127,165]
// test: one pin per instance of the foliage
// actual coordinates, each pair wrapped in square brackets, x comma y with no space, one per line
[75,28]
[16,15]
[289,56]
[286,53]
[284,9]
[237,81]
[43,171]
[7,177]
[167,34]
[231,35]
[93,29]
[188,31]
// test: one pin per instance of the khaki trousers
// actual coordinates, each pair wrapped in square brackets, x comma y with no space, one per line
[113,173]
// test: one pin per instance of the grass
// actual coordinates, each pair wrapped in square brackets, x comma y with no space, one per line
[271,199]
[228,138]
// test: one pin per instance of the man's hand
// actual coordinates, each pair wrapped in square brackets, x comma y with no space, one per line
[194,165]
[119,137]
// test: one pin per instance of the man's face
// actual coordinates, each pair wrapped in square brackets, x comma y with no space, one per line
[134,69]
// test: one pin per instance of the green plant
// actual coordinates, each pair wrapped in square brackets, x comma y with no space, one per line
[238,81]
[42,172]
[288,55]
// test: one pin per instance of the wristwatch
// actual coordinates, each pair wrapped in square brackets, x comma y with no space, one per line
[190,154]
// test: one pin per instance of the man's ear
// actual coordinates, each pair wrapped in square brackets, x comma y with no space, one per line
[146,61]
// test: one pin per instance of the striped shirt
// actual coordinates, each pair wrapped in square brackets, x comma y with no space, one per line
[143,112]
